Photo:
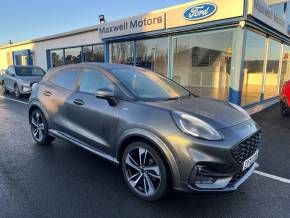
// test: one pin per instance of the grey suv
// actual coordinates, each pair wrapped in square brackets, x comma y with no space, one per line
[19,79]
[160,134]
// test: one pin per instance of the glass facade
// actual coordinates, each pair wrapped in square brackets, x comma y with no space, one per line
[122,53]
[285,69]
[272,71]
[56,58]
[90,53]
[253,68]
[73,55]
[202,62]
[93,53]
[152,54]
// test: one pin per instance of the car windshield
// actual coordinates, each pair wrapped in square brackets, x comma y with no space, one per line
[148,85]
[29,71]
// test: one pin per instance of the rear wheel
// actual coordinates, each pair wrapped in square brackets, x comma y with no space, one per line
[5,90]
[284,108]
[144,171]
[39,128]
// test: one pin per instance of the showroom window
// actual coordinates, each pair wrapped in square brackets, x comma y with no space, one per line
[56,57]
[272,72]
[122,53]
[253,68]
[93,53]
[285,72]
[202,62]
[152,54]
[90,53]
[73,55]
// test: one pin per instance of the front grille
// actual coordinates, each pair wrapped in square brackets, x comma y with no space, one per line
[246,148]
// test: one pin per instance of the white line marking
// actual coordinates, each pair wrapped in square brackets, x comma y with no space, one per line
[272,177]
[11,99]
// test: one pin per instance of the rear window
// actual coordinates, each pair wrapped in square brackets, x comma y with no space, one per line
[67,79]
[29,71]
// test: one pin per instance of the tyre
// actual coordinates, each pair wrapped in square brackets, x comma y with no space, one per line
[39,128]
[17,91]
[5,90]
[284,108]
[144,171]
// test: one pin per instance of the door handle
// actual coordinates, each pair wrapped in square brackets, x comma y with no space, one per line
[47,93]
[78,102]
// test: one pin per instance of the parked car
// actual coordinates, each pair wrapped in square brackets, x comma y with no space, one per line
[19,79]
[160,134]
[285,99]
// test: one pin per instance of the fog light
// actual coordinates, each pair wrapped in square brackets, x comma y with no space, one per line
[204,180]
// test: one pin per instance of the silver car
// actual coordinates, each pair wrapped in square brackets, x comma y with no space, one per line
[160,134]
[19,79]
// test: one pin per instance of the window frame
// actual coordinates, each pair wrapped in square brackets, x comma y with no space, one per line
[78,70]
[97,70]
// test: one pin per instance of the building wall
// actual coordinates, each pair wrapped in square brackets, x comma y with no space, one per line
[39,49]
[69,41]
[4,52]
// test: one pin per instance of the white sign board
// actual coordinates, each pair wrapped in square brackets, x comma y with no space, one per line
[263,12]
[133,25]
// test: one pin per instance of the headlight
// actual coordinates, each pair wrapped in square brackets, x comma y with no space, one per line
[195,127]
[238,108]
[26,83]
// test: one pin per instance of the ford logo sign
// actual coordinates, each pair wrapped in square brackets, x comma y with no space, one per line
[200,11]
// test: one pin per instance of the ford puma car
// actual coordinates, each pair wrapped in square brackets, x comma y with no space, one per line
[160,134]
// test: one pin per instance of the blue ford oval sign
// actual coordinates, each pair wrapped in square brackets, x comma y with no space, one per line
[200,11]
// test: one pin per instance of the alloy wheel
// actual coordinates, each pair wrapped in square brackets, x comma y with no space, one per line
[284,108]
[37,126]
[17,92]
[142,171]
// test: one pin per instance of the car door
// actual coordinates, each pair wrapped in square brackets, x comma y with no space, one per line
[96,119]
[7,78]
[12,78]
[56,95]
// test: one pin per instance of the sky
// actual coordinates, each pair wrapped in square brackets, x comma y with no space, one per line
[28,19]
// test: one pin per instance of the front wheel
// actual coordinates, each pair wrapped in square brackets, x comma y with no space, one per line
[17,92]
[5,90]
[144,171]
[284,108]
[39,128]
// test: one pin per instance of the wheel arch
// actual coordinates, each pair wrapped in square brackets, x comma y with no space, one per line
[134,135]
[36,105]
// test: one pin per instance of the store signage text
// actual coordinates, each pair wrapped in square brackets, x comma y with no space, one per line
[264,9]
[130,25]
[200,11]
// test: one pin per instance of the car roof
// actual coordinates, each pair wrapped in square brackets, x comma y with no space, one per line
[104,66]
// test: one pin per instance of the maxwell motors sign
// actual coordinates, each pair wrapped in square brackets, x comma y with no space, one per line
[199,11]
[132,25]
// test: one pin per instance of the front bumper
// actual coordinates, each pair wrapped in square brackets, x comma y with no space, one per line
[220,170]
[25,89]
[226,184]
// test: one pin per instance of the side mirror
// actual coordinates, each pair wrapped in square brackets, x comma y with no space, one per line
[107,94]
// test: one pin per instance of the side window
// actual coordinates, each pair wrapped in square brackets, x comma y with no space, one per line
[7,72]
[12,71]
[67,79]
[92,81]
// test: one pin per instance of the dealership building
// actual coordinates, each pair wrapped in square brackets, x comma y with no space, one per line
[236,50]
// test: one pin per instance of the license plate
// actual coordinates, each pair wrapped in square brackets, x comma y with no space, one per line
[250,160]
